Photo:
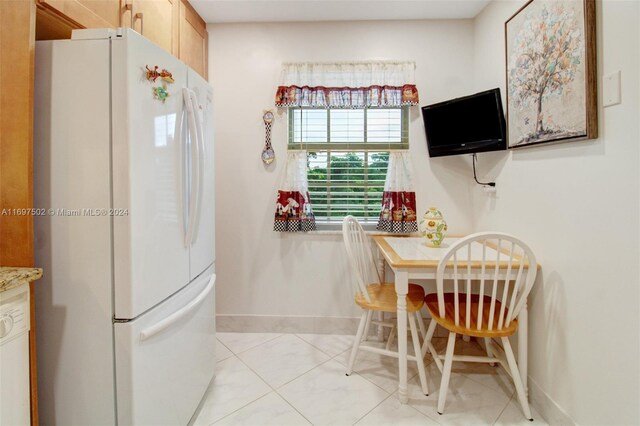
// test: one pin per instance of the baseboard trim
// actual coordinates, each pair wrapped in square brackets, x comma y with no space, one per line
[547,407]
[293,324]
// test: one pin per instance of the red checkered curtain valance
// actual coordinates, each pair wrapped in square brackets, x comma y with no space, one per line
[293,205]
[346,97]
[398,212]
[347,85]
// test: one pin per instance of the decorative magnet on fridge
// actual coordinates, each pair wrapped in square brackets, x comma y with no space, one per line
[160,93]
[153,74]
[267,153]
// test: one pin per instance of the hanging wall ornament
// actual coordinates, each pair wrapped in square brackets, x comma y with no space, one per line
[267,153]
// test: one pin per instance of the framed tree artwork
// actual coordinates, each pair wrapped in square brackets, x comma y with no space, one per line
[551,72]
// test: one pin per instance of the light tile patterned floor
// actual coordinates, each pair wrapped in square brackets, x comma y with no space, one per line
[299,379]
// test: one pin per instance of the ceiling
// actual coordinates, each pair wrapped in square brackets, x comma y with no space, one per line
[219,11]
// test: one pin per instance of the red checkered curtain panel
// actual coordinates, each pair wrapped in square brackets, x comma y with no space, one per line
[347,85]
[398,212]
[293,205]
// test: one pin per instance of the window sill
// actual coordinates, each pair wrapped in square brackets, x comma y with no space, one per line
[336,229]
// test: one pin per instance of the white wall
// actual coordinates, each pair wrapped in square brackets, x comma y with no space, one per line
[261,272]
[577,204]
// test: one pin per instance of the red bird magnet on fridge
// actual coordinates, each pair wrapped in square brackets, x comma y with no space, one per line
[153,74]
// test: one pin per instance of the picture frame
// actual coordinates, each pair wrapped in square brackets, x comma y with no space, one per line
[550,49]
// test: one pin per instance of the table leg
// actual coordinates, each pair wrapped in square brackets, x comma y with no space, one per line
[523,330]
[402,288]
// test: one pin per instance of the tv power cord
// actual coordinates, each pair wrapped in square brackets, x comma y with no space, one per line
[488,186]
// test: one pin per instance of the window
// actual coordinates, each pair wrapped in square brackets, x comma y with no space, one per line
[348,155]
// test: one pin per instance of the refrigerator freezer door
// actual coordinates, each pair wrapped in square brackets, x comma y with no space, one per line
[203,240]
[165,358]
[151,261]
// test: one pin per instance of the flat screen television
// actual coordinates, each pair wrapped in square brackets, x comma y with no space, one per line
[466,125]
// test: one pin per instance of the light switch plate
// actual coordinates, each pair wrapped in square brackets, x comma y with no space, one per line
[611,89]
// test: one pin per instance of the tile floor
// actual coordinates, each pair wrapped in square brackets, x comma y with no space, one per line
[299,379]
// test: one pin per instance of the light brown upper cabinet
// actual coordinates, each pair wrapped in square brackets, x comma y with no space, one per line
[193,39]
[172,24]
[56,18]
[87,13]
[157,20]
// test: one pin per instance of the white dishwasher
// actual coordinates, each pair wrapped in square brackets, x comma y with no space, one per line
[14,357]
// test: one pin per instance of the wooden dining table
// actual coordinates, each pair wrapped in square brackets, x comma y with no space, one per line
[410,258]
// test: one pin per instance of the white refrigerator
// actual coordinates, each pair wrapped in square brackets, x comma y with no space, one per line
[124,229]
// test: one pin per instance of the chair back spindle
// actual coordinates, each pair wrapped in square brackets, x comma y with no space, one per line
[468,310]
[494,287]
[456,302]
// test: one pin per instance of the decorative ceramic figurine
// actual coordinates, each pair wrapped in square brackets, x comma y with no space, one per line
[433,227]
[160,93]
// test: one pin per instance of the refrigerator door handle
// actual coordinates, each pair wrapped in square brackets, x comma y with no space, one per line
[195,172]
[182,139]
[177,315]
[201,164]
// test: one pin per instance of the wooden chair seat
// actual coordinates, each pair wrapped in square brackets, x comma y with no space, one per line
[384,298]
[449,322]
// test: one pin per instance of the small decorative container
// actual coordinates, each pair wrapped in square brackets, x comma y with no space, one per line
[433,227]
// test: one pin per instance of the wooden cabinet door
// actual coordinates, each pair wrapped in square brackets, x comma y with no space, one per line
[193,39]
[84,13]
[154,19]
[172,24]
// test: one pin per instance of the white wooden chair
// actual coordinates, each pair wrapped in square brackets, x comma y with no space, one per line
[373,295]
[485,302]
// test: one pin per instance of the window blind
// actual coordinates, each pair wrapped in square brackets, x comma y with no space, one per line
[348,156]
